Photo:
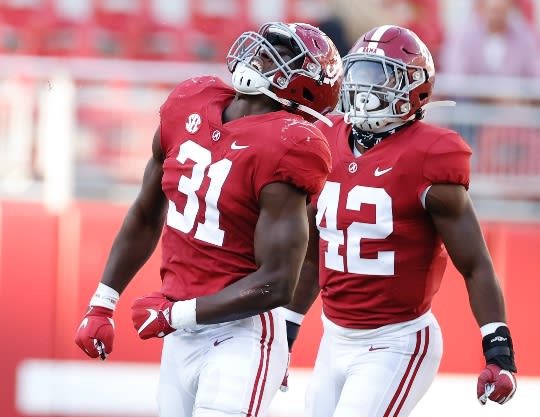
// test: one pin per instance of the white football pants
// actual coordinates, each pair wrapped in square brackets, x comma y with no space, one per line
[227,369]
[382,372]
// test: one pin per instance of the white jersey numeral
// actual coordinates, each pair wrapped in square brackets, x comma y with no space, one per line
[327,209]
[208,231]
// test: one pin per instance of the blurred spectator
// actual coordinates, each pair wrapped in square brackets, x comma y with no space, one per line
[422,17]
[498,40]
[333,26]
[495,40]
[345,22]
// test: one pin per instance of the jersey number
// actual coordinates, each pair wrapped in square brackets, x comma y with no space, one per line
[327,207]
[208,231]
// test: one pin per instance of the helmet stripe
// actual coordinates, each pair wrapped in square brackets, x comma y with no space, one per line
[377,36]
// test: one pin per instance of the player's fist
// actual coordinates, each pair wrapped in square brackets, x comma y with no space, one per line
[497,384]
[151,315]
[95,334]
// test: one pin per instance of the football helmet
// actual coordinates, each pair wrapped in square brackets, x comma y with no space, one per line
[307,81]
[389,77]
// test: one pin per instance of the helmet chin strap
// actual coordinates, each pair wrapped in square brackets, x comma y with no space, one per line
[440,103]
[296,106]
[369,139]
[390,123]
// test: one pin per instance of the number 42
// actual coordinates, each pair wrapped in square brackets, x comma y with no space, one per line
[327,208]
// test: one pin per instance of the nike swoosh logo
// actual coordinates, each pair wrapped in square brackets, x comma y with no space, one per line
[371,348]
[150,319]
[379,172]
[236,147]
[217,342]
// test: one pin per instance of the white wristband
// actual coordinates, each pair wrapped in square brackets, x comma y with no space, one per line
[183,314]
[491,327]
[105,296]
[290,315]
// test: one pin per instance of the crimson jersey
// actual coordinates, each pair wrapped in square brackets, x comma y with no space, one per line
[381,260]
[213,174]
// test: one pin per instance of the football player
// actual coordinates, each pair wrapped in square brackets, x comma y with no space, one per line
[392,209]
[228,180]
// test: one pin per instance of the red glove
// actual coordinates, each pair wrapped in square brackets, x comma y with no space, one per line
[151,315]
[497,384]
[95,334]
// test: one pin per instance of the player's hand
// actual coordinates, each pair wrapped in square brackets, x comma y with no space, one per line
[95,334]
[496,384]
[151,315]
[497,381]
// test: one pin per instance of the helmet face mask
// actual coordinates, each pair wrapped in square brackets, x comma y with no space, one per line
[389,76]
[306,71]
[250,45]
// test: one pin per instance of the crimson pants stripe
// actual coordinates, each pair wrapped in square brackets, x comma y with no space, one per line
[410,374]
[262,371]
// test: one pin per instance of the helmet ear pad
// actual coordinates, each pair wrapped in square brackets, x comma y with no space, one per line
[318,85]
[301,92]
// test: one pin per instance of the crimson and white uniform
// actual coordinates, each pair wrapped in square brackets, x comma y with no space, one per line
[213,176]
[381,263]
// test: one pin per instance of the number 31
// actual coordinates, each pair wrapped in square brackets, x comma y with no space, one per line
[208,231]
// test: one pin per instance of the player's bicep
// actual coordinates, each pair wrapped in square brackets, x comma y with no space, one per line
[308,289]
[312,253]
[151,199]
[455,220]
[281,234]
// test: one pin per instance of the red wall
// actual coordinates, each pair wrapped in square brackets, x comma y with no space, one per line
[50,266]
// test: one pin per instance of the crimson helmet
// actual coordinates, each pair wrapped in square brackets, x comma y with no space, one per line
[389,76]
[308,82]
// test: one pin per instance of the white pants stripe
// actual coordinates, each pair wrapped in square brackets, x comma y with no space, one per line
[267,338]
[380,372]
[422,344]
[232,369]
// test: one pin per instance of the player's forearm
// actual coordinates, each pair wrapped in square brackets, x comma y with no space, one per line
[485,297]
[307,290]
[256,293]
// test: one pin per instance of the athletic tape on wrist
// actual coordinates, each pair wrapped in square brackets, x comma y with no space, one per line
[498,349]
[184,314]
[105,296]
[491,327]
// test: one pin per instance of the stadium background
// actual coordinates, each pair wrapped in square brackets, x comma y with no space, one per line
[80,85]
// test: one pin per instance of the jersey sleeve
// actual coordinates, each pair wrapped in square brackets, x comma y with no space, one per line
[448,161]
[305,163]
[169,112]
[187,89]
